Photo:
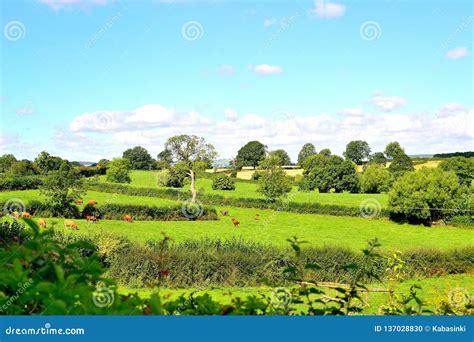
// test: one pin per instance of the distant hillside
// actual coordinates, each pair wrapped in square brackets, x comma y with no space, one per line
[455,154]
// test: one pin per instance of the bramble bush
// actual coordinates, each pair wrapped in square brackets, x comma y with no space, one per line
[223,182]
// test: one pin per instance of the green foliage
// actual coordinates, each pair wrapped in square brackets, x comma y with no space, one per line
[394,150]
[468,154]
[281,156]
[23,167]
[378,158]
[61,188]
[375,179]
[273,183]
[177,174]
[20,182]
[190,148]
[306,151]
[139,158]
[462,167]
[251,154]
[329,172]
[223,182]
[118,170]
[400,164]
[256,175]
[47,163]
[6,162]
[357,151]
[426,195]
[163,177]
[112,211]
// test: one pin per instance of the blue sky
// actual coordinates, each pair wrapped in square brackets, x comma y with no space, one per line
[88,79]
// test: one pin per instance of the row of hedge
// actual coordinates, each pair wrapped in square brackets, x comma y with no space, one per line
[112,211]
[214,199]
[10,182]
[239,263]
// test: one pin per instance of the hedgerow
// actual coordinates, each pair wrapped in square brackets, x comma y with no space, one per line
[9,183]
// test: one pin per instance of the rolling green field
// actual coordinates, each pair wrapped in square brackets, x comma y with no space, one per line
[249,190]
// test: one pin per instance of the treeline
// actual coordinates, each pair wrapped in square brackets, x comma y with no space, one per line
[469,154]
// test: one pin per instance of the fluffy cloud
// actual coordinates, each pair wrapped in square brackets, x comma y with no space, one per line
[151,125]
[328,10]
[269,22]
[226,70]
[388,103]
[68,4]
[267,69]
[457,53]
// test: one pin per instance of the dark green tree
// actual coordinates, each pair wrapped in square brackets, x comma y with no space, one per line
[46,163]
[378,158]
[461,166]
[401,163]
[273,183]
[375,179]
[139,158]
[394,150]
[6,162]
[357,151]
[251,154]
[282,157]
[306,151]
[23,167]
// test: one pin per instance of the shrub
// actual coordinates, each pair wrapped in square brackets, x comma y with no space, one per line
[233,174]
[20,182]
[256,176]
[118,170]
[427,195]
[375,179]
[223,182]
[163,177]
[461,166]
[274,184]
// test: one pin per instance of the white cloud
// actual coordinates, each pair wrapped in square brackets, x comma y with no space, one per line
[388,103]
[267,69]
[458,52]
[226,70]
[269,22]
[151,125]
[24,111]
[328,10]
[69,4]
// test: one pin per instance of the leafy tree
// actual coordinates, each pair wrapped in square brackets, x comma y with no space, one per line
[401,163]
[190,149]
[223,182]
[357,151]
[426,195]
[118,170]
[23,167]
[273,182]
[378,158]
[306,151]
[329,172]
[61,187]
[164,160]
[103,163]
[139,158]
[375,179]
[461,166]
[178,174]
[47,163]
[325,152]
[394,150]
[251,154]
[6,162]
[282,156]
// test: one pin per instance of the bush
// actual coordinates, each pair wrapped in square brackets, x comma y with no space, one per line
[223,182]
[375,179]
[118,170]
[20,182]
[427,195]
[163,177]
[233,174]
[462,167]
[111,211]
[274,184]
[256,176]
